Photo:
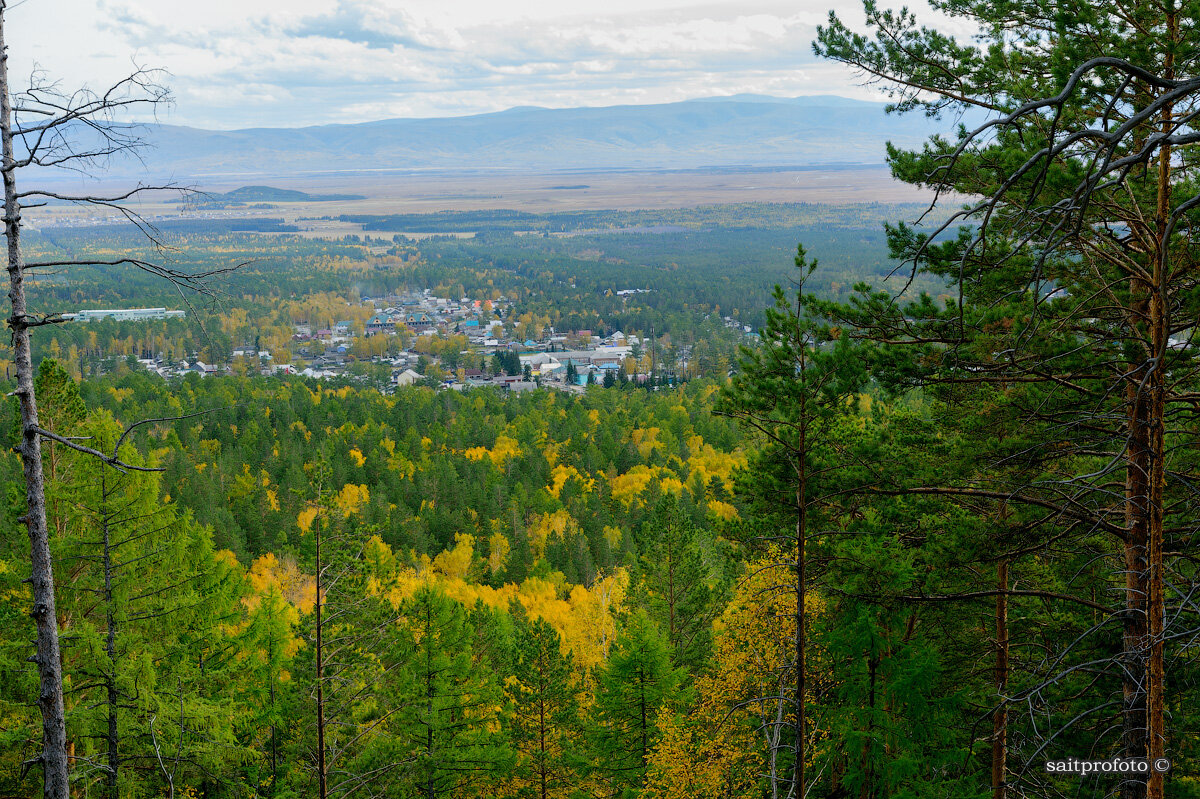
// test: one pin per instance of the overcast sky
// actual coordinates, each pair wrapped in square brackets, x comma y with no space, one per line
[287,63]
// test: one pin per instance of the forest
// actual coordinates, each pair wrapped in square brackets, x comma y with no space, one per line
[517,530]
[927,532]
[547,594]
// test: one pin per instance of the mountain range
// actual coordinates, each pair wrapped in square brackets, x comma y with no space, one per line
[727,132]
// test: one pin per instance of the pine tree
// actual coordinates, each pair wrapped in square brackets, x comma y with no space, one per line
[1071,278]
[794,391]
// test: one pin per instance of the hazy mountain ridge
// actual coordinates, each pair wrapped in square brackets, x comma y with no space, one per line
[744,130]
[273,194]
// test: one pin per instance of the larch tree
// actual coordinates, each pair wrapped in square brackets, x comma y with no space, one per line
[269,638]
[633,687]
[349,622]
[674,585]
[445,727]
[544,713]
[143,605]
[718,747]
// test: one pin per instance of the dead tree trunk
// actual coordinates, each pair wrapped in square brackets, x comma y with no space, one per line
[58,130]
[53,758]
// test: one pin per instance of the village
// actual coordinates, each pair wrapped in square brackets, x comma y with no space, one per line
[416,337]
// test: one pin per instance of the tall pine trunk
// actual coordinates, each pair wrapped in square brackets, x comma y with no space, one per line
[1160,320]
[1144,731]
[798,775]
[1000,719]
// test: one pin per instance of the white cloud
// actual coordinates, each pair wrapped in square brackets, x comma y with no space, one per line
[239,63]
[375,24]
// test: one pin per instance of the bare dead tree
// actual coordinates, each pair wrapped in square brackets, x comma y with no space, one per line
[44,127]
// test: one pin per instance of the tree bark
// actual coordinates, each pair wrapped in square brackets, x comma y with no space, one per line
[1133,642]
[110,645]
[54,760]
[799,753]
[542,753]
[1000,719]
[798,776]
[1144,733]
[322,785]
[1160,319]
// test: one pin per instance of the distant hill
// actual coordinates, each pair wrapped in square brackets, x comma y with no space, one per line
[254,194]
[739,131]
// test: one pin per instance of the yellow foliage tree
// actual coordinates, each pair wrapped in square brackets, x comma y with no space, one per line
[268,573]
[629,486]
[456,563]
[561,474]
[550,525]
[351,499]
[306,517]
[505,450]
[498,549]
[720,748]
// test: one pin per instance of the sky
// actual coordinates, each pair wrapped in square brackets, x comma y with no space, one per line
[291,63]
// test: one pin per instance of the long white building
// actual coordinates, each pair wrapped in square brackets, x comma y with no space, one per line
[125,314]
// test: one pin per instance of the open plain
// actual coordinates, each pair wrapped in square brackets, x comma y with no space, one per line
[394,192]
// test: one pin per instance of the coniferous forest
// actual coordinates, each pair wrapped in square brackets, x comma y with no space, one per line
[835,501]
